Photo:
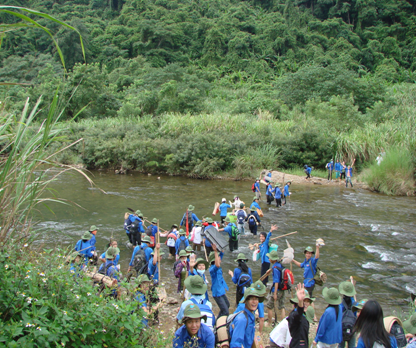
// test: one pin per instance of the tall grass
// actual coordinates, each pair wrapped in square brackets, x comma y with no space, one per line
[394,176]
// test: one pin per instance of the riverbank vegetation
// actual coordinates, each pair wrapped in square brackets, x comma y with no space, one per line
[207,88]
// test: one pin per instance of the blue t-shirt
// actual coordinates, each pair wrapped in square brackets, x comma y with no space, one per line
[264,247]
[276,275]
[153,270]
[269,189]
[255,204]
[261,309]
[148,252]
[330,328]
[154,229]
[116,260]
[242,330]
[228,229]
[286,190]
[277,192]
[178,242]
[223,209]
[308,273]
[361,344]
[207,243]
[257,187]
[198,299]
[204,338]
[84,248]
[140,297]
[218,285]
[237,272]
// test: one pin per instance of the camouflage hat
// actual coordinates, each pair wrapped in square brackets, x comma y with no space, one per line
[86,236]
[183,253]
[310,314]
[181,232]
[331,295]
[241,257]
[112,252]
[252,291]
[154,221]
[192,311]
[273,255]
[195,284]
[191,208]
[309,249]
[346,288]
[93,227]
[147,239]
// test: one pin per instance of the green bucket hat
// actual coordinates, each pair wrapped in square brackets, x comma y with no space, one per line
[181,232]
[273,256]
[211,257]
[86,236]
[201,261]
[192,311]
[227,219]
[251,291]
[255,198]
[259,286]
[112,252]
[195,284]
[277,185]
[331,295]
[359,305]
[209,220]
[191,208]
[241,257]
[160,253]
[310,314]
[183,253]
[189,250]
[154,221]
[198,224]
[142,278]
[346,288]
[307,296]
[137,212]
[309,249]
[147,239]
[410,325]
[93,227]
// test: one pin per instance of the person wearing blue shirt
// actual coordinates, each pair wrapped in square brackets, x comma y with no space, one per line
[242,327]
[113,243]
[347,291]
[277,296]
[269,193]
[126,227]
[207,244]
[329,167]
[153,264]
[109,268]
[223,210]
[193,333]
[253,220]
[287,191]
[307,170]
[255,203]
[136,233]
[181,242]
[310,268]
[233,241]
[93,232]
[83,246]
[348,173]
[191,219]
[264,249]
[258,189]
[144,246]
[329,331]
[338,169]
[241,284]
[154,227]
[143,283]
[199,268]
[218,285]
[277,194]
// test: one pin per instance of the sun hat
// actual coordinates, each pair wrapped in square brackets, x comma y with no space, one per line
[255,198]
[93,227]
[174,226]
[310,314]
[147,239]
[192,311]
[252,208]
[112,252]
[209,220]
[224,200]
[181,232]
[251,291]
[137,212]
[242,205]
[201,261]
[288,182]
[241,257]
[410,325]
[142,278]
[140,215]
[198,224]
[227,219]
[273,255]
[195,284]
[191,208]
[277,185]
[307,296]
[309,249]
[160,253]
[346,288]
[183,253]
[189,250]
[154,221]
[259,286]
[359,305]
[211,257]
[331,295]
[86,236]
[73,256]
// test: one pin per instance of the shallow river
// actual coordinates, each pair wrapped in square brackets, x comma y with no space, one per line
[369,236]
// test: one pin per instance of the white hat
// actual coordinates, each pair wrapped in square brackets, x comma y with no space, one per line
[223,200]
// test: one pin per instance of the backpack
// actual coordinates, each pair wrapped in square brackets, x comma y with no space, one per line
[241,216]
[148,230]
[190,219]
[175,266]
[287,279]
[134,227]
[222,329]
[252,221]
[253,187]
[182,245]
[348,321]
[244,281]
[139,260]
[171,242]
[398,332]
[206,310]
[235,233]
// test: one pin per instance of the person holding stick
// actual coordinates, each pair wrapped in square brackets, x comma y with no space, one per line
[276,298]
[199,268]
[309,265]
[264,249]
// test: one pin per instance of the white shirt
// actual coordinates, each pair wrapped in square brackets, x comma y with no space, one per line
[280,335]
[197,235]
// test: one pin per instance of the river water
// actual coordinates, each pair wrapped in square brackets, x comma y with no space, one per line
[369,236]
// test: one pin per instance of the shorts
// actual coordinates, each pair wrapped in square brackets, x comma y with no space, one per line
[310,290]
[280,300]
[337,174]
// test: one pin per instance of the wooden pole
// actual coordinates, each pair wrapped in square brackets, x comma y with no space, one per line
[186,223]
[281,236]
[159,251]
[351,280]
[292,296]
[265,275]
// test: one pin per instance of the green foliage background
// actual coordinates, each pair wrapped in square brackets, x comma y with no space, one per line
[283,83]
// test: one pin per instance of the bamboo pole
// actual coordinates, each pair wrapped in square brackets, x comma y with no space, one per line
[159,251]
[251,246]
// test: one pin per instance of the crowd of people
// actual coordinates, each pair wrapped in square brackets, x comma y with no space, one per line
[345,322]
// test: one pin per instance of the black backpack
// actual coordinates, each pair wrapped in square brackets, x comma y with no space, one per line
[139,261]
[252,221]
[244,281]
[241,216]
[134,227]
[148,230]
[398,332]
[182,245]
[235,233]
[348,321]
[190,219]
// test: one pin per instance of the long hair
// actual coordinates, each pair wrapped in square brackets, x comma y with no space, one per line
[243,267]
[370,324]
[336,309]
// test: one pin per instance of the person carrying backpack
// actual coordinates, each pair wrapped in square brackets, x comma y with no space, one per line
[191,218]
[196,286]
[172,237]
[253,220]
[347,290]
[241,276]
[276,297]
[242,327]
[241,217]
[329,331]
[154,228]
[84,247]
[182,270]
[218,285]
[141,256]
[199,268]
[136,228]
[196,237]
[233,232]
[109,268]
[182,242]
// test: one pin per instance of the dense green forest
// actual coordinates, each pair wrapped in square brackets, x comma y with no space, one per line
[181,84]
